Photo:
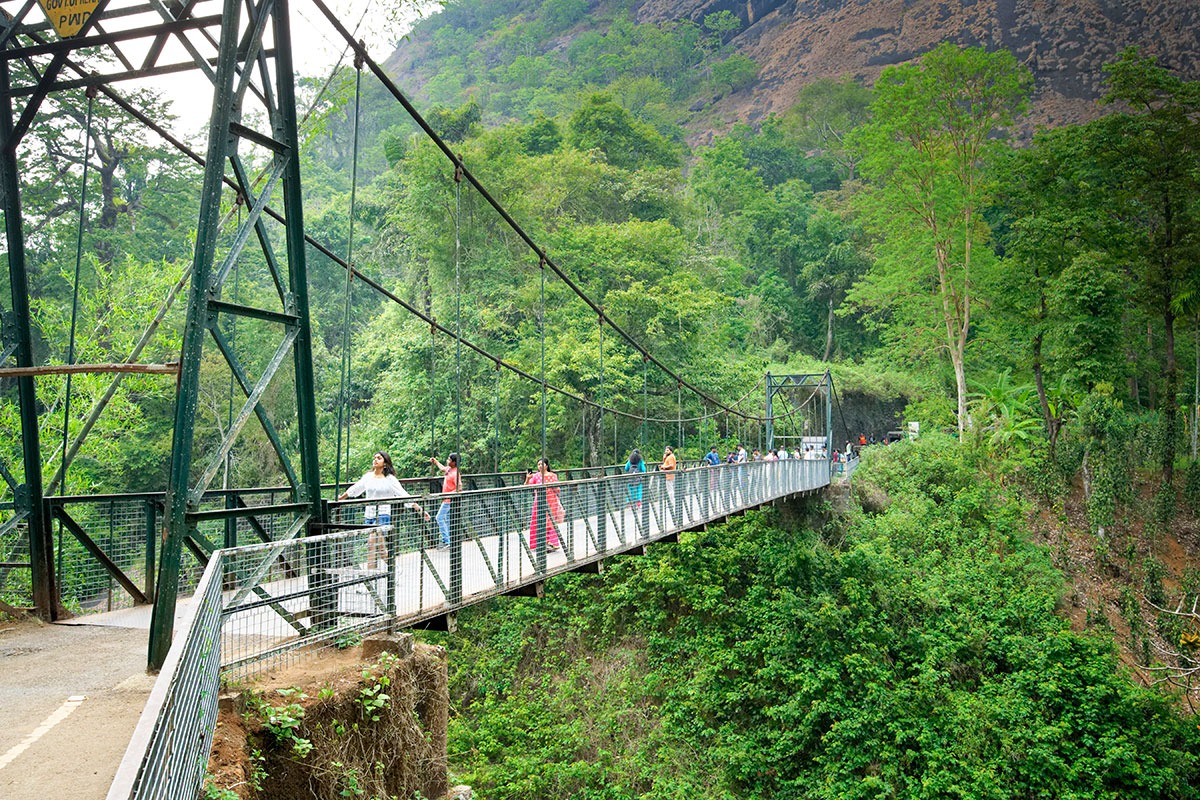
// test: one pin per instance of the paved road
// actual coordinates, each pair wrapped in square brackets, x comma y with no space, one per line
[52,743]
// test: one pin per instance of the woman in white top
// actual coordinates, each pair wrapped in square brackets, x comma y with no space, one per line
[380,483]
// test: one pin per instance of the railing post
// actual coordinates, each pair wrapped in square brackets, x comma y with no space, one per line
[502,539]
[599,497]
[621,503]
[393,555]
[677,500]
[456,548]
[231,522]
[541,510]
[151,539]
[647,496]
[322,593]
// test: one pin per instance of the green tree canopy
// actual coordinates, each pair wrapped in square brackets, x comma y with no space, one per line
[602,124]
[934,127]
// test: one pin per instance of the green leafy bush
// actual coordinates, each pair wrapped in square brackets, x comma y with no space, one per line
[919,657]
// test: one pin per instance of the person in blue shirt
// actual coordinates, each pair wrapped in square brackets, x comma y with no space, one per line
[712,458]
[635,464]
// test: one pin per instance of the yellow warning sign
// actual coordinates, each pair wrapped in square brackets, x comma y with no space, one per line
[68,16]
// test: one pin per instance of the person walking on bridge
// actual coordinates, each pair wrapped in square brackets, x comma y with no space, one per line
[450,485]
[636,464]
[668,468]
[741,458]
[713,459]
[668,463]
[542,476]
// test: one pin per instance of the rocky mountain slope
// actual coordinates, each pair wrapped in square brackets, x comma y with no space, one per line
[1064,43]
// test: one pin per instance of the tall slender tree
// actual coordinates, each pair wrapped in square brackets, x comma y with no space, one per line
[935,124]
[1152,144]
[1051,224]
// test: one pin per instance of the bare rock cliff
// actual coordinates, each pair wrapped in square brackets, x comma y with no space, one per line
[1063,42]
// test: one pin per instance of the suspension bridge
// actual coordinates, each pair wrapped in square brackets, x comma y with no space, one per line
[230,579]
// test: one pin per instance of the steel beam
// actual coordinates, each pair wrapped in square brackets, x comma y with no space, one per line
[29,493]
[242,56]
[177,503]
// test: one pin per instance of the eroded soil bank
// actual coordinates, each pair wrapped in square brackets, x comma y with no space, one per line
[368,721]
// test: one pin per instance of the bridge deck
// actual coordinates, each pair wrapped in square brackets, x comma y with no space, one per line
[69,701]
[44,735]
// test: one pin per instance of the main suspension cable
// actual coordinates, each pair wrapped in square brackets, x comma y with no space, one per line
[502,211]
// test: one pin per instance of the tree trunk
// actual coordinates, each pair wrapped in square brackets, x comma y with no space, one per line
[960,384]
[1151,385]
[829,331]
[1196,393]
[110,158]
[955,316]
[596,441]
[1170,402]
[1087,489]
[1039,381]
[1135,394]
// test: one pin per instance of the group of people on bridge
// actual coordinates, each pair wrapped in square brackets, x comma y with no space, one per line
[380,485]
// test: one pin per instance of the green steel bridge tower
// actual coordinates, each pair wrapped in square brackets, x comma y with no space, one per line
[245,49]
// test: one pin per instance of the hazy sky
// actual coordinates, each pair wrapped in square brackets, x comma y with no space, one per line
[316,48]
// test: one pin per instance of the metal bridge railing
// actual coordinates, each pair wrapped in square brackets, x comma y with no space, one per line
[167,756]
[259,605]
[106,545]
[443,552]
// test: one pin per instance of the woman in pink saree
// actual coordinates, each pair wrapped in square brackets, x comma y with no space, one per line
[541,476]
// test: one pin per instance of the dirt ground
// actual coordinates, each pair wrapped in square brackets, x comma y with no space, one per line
[1101,575]
[407,733]
[52,746]
[229,760]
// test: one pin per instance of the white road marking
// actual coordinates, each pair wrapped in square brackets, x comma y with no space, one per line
[59,714]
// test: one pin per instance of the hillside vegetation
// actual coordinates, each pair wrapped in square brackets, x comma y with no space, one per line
[919,650]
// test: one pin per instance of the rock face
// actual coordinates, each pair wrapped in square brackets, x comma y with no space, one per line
[1063,42]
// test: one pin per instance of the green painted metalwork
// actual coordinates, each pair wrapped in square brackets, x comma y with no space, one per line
[787,387]
[247,69]
[177,503]
[310,488]
[29,493]
[241,55]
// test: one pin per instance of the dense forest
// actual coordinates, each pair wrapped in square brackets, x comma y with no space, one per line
[914,649]
[1033,302]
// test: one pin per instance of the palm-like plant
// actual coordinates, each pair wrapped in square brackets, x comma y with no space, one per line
[1005,411]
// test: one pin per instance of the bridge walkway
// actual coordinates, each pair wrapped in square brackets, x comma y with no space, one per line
[282,597]
[79,688]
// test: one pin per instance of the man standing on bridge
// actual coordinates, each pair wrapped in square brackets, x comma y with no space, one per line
[713,458]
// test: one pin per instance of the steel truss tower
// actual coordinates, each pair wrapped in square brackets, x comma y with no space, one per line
[244,47]
[803,398]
